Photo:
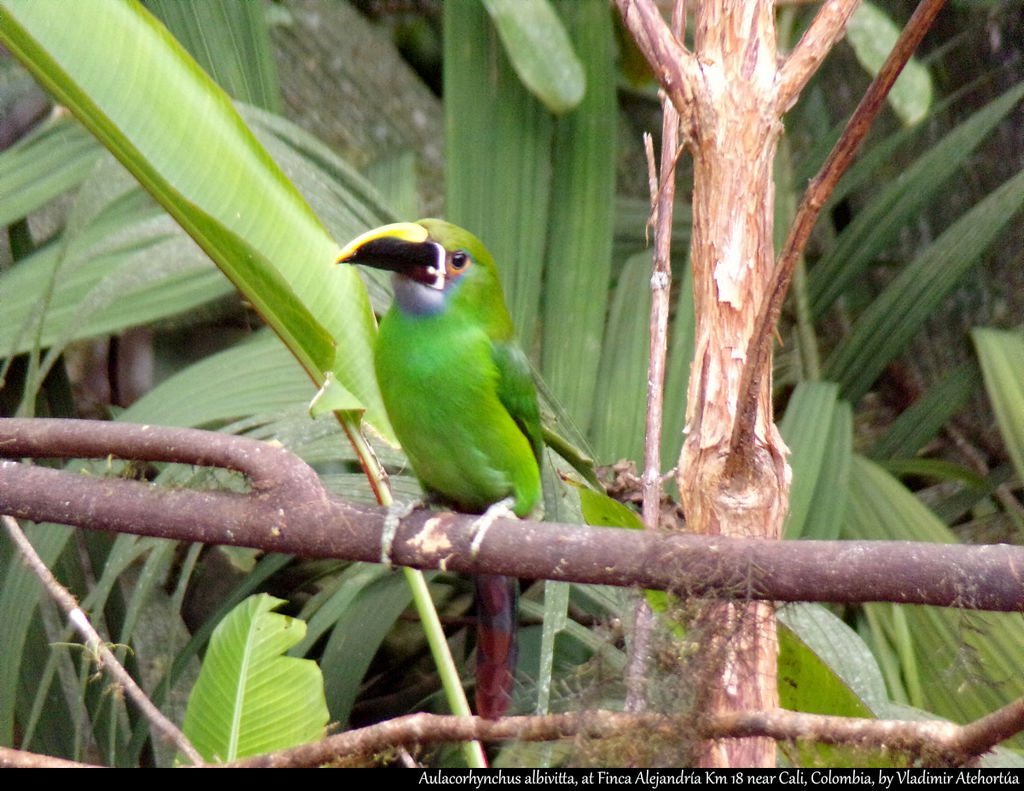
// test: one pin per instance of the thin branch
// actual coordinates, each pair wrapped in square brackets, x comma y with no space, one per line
[95,645]
[937,742]
[827,29]
[663,192]
[296,516]
[821,186]
[23,759]
[981,735]
[675,68]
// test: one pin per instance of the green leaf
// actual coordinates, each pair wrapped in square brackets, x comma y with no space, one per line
[555,620]
[227,193]
[682,340]
[891,320]
[577,268]
[19,600]
[904,196]
[1002,365]
[954,663]
[919,423]
[332,397]
[258,376]
[42,166]
[120,263]
[602,511]
[620,414]
[937,469]
[497,143]
[824,667]
[230,41]
[872,34]
[366,620]
[249,698]
[813,428]
[540,51]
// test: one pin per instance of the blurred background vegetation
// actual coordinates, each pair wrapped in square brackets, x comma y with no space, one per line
[899,379]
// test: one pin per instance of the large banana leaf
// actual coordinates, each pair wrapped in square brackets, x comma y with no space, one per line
[231,41]
[249,698]
[135,88]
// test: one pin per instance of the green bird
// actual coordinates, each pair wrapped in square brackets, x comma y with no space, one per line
[460,396]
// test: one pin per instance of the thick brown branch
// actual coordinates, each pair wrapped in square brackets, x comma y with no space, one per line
[291,513]
[22,759]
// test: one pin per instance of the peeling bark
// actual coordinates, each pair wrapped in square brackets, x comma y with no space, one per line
[734,481]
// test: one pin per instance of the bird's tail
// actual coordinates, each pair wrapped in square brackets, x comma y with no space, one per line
[497,645]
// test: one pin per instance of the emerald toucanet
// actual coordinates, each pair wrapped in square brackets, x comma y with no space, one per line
[460,396]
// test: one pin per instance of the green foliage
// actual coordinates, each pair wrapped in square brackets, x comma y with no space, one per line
[249,697]
[538,167]
[872,35]
[1002,362]
[818,430]
[825,668]
[252,223]
[540,50]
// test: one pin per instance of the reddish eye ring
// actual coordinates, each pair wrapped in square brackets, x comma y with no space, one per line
[459,260]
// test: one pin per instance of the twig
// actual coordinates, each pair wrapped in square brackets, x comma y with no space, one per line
[674,67]
[662,203]
[821,186]
[95,644]
[824,32]
[936,742]
[23,759]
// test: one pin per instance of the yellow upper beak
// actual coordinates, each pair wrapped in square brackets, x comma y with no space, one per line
[407,231]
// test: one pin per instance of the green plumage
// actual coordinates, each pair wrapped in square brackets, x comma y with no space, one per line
[457,387]
[464,444]
[461,399]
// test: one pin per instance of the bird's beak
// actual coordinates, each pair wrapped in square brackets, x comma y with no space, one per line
[402,247]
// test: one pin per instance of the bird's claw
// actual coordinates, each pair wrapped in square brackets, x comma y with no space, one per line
[499,510]
[396,513]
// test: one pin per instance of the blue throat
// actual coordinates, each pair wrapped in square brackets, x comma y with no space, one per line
[418,299]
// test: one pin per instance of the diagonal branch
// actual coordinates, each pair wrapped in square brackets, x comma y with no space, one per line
[827,29]
[95,644]
[821,186]
[675,68]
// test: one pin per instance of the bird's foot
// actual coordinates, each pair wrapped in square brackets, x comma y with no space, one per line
[396,513]
[499,510]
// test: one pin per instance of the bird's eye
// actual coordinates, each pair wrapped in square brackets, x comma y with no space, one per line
[460,260]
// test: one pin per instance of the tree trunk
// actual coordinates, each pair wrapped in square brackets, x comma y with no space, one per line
[734,138]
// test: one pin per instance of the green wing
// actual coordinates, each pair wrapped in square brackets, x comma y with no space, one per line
[518,393]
